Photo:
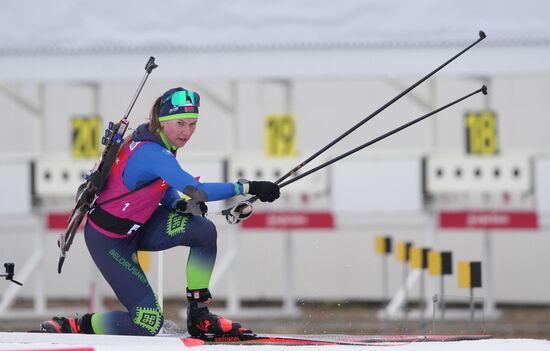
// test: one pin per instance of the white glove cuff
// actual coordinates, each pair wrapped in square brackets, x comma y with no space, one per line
[245,185]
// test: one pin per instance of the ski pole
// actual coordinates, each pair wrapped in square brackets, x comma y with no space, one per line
[243,210]
[382,108]
[149,67]
[483,90]
[369,117]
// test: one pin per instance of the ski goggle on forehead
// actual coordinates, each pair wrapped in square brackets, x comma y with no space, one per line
[182,97]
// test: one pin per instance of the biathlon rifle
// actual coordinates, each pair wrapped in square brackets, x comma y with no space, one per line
[89,191]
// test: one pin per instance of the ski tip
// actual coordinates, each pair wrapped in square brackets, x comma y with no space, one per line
[189,342]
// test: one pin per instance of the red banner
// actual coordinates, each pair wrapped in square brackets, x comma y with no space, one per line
[60,220]
[289,220]
[488,220]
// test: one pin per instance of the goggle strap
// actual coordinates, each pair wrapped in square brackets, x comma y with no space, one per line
[179,116]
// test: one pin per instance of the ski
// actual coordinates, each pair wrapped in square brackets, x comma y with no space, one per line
[357,340]
[253,340]
[88,191]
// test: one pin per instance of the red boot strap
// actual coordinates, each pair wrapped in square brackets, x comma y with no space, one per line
[204,326]
[225,324]
[55,325]
[74,326]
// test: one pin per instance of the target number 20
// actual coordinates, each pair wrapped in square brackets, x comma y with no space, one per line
[85,137]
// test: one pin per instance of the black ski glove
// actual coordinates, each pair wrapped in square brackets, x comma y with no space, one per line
[194,207]
[266,191]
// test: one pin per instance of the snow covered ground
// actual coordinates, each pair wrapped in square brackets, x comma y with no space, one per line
[68,342]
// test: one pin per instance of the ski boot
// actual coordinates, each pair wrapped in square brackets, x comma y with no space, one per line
[82,325]
[205,325]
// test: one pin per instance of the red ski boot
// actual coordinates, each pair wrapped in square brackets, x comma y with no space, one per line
[68,325]
[205,325]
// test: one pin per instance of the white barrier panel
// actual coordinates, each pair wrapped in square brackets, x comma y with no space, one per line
[375,186]
[15,183]
[478,174]
[60,177]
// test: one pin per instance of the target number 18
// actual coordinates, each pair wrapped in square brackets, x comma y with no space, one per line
[481,133]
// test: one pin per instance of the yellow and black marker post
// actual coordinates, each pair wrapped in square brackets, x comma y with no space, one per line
[441,264]
[469,276]
[403,255]
[383,247]
[144,260]
[419,260]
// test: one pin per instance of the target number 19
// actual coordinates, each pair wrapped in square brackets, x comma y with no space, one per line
[280,135]
[481,133]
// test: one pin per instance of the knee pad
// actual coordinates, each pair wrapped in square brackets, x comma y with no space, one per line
[148,320]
